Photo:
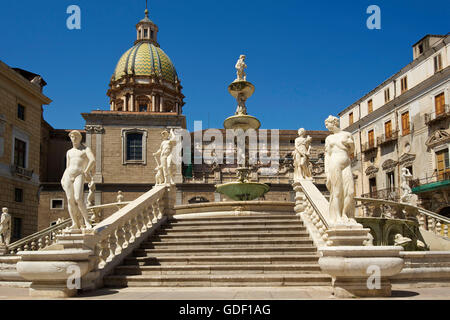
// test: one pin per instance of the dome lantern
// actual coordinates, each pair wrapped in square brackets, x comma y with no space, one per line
[147,31]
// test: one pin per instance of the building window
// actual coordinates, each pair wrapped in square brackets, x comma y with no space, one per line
[390,180]
[371,138]
[443,166]
[405,123]
[142,108]
[388,129]
[145,33]
[439,103]
[134,147]
[17,228]
[404,84]
[134,144]
[57,204]
[350,118]
[373,187]
[370,106]
[437,63]
[20,112]
[420,48]
[387,95]
[20,150]
[152,34]
[18,195]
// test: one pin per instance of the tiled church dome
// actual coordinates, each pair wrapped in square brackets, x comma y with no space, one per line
[145,59]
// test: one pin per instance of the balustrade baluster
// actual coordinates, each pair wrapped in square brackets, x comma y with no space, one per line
[133,230]
[26,247]
[47,240]
[421,220]
[127,234]
[142,222]
[139,225]
[112,245]
[431,224]
[438,228]
[147,218]
[160,211]
[103,253]
[446,231]
[120,234]
[40,244]
[154,210]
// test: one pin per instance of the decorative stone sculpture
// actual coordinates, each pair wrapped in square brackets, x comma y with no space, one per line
[80,161]
[166,166]
[406,189]
[338,148]
[240,66]
[119,198]
[401,241]
[5,227]
[301,156]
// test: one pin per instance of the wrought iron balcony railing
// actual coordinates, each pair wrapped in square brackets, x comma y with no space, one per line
[433,117]
[392,194]
[21,172]
[367,147]
[386,138]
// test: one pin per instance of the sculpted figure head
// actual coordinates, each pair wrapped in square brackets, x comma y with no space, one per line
[301,132]
[242,57]
[332,124]
[4,210]
[165,134]
[76,137]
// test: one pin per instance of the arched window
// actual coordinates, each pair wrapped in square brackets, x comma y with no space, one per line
[143,103]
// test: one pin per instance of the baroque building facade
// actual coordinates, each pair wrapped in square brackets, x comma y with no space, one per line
[404,123]
[21,101]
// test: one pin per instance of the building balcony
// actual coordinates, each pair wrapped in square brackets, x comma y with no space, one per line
[431,118]
[384,138]
[392,194]
[368,147]
[435,182]
[21,172]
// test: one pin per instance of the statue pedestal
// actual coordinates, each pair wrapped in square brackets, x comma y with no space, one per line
[54,273]
[347,235]
[359,271]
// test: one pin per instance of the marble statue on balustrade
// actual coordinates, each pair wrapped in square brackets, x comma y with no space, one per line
[165,165]
[80,162]
[5,227]
[240,67]
[339,146]
[407,195]
[119,198]
[301,153]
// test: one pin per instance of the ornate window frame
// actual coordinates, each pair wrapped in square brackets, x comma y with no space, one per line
[124,134]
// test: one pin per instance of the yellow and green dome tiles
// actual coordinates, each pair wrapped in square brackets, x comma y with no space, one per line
[145,59]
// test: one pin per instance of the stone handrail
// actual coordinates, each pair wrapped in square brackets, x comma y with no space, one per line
[96,211]
[428,220]
[38,240]
[313,208]
[118,235]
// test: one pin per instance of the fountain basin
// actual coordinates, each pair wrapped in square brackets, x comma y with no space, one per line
[239,191]
[243,122]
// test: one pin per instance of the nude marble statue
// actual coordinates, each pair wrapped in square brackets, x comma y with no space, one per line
[80,162]
[166,166]
[338,148]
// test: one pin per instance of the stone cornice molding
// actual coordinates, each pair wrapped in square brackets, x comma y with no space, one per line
[437,138]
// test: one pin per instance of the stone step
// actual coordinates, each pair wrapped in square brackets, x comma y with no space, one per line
[243,222]
[304,268]
[269,228]
[292,217]
[224,260]
[231,235]
[228,280]
[203,251]
[226,243]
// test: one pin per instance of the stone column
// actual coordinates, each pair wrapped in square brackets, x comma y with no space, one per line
[132,106]
[153,103]
[125,103]
[161,103]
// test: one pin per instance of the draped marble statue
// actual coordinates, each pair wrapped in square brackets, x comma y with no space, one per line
[301,156]
[240,66]
[339,146]
[80,162]
[5,227]
[165,170]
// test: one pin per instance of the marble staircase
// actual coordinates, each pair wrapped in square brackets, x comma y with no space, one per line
[254,250]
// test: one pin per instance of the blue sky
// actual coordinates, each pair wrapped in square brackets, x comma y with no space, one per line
[307,59]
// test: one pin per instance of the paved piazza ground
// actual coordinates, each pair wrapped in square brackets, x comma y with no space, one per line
[305,293]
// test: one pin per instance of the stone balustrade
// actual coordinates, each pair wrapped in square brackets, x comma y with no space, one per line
[100,249]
